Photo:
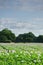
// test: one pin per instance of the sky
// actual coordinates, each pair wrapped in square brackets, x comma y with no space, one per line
[22,16]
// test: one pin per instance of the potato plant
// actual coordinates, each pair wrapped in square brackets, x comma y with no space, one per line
[21,56]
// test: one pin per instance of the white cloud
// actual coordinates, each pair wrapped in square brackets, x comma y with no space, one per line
[38,19]
[28,5]
[18,27]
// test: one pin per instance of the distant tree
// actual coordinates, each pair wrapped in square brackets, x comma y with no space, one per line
[7,36]
[31,36]
[40,39]
[19,38]
[3,38]
[26,37]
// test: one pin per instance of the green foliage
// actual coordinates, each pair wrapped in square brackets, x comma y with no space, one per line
[21,55]
[40,38]
[3,38]
[27,37]
[7,36]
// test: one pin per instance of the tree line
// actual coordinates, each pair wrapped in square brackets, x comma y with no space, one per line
[6,36]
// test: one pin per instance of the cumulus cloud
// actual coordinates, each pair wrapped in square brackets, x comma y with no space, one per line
[28,5]
[38,19]
[21,26]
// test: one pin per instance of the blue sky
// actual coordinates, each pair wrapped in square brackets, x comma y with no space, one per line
[22,16]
